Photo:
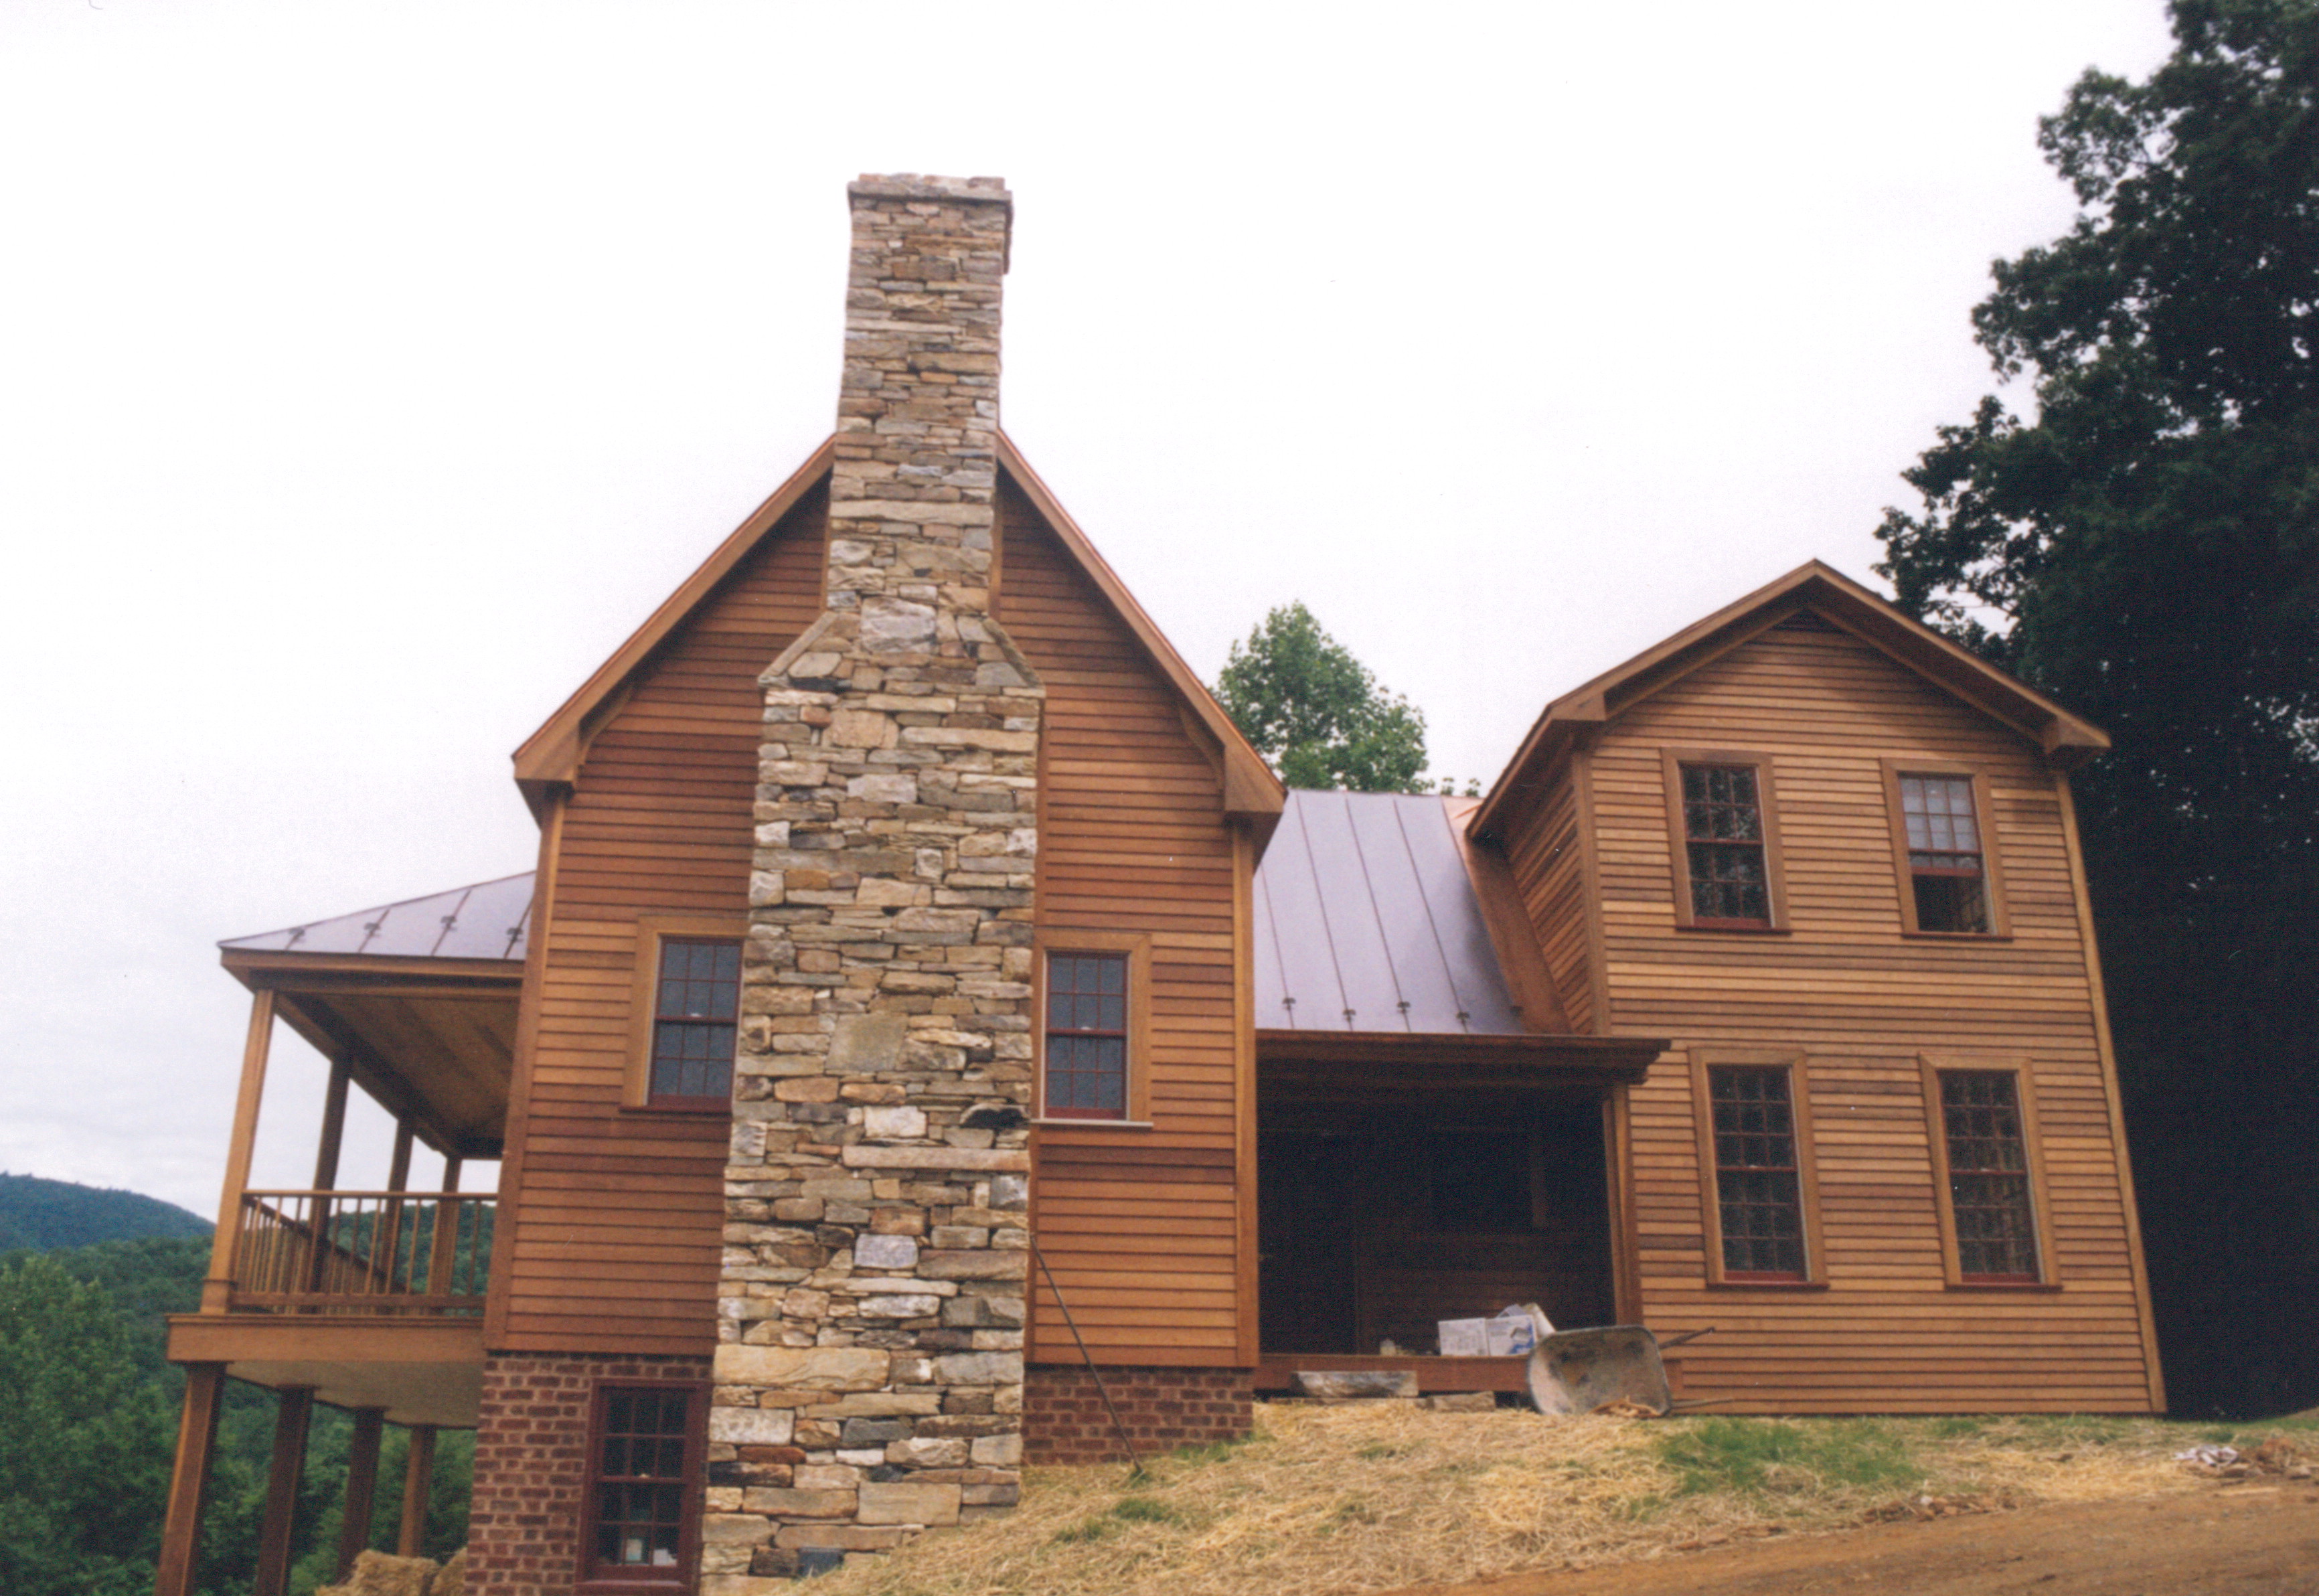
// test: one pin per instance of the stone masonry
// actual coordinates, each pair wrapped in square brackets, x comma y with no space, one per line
[869,1372]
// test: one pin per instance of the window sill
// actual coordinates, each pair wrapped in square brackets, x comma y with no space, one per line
[1066,1122]
[1767,1285]
[2045,1285]
[701,1110]
[1958,936]
[1712,930]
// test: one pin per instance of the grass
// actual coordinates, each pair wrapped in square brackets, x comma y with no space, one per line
[1338,1500]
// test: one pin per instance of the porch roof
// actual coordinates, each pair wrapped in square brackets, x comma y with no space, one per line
[488,920]
[1369,918]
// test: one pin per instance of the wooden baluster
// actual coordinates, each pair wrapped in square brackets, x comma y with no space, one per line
[217,1290]
[362,1488]
[181,1529]
[417,1488]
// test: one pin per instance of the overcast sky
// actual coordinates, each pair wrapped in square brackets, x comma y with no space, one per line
[367,373]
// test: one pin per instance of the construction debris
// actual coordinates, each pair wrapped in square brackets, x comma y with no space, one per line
[2276,1456]
[1357,1384]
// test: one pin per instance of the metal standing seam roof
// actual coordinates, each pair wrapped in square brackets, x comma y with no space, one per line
[490,919]
[1367,920]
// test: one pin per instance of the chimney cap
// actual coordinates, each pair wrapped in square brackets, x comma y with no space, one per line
[914,186]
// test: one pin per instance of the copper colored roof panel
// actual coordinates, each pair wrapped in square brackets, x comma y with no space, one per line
[1367,920]
[490,919]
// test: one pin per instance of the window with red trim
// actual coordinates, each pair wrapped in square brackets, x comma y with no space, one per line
[1759,1197]
[1946,869]
[1990,1198]
[1086,1036]
[1723,846]
[695,1013]
[644,1479]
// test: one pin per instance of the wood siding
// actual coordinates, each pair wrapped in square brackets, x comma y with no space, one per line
[1862,1003]
[1549,873]
[1142,1227]
[619,1213]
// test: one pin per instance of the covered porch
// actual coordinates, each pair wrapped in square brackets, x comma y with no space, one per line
[1434,1141]
[367,1299]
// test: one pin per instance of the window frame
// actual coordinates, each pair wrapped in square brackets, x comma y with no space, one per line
[644,1004]
[1776,893]
[2041,1219]
[1136,948]
[1992,872]
[587,1576]
[1710,1203]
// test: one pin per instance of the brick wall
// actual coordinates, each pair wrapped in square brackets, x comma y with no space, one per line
[531,1462]
[1064,1420]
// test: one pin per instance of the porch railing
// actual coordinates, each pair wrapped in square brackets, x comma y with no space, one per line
[366,1252]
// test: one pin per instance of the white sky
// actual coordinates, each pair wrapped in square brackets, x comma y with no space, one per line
[367,373]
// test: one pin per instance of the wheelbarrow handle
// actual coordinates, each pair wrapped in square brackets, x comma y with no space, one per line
[1686,1336]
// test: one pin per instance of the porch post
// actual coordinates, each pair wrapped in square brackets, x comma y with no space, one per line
[362,1489]
[334,1125]
[219,1287]
[181,1531]
[293,1412]
[418,1490]
[440,1262]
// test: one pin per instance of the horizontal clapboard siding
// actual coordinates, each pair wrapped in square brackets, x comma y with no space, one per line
[1544,853]
[1140,1227]
[1862,1002]
[618,1218]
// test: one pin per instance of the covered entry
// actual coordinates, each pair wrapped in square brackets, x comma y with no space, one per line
[1433,1142]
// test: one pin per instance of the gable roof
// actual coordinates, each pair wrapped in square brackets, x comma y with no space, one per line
[2067,739]
[551,756]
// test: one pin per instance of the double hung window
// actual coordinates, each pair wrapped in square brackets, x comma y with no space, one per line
[1095,1026]
[644,1463]
[1992,1209]
[1725,838]
[1942,850]
[684,1013]
[1759,1196]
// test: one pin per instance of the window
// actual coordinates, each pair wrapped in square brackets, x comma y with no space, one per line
[1983,1132]
[645,1452]
[1758,1194]
[1086,1036]
[1940,840]
[686,1014]
[1724,839]
[1095,1019]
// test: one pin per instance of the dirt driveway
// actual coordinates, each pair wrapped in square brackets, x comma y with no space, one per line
[2238,1541]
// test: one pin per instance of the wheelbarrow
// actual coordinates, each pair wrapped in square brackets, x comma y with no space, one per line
[1580,1371]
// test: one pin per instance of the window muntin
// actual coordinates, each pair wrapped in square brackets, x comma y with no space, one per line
[1087,1035]
[1946,873]
[695,1013]
[643,1478]
[1724,846]
[1758,1190]
[1991,1204]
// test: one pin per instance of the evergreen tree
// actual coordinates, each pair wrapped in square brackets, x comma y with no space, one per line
[1314,712]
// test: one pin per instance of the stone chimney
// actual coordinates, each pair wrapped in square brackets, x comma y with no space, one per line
[868,1370]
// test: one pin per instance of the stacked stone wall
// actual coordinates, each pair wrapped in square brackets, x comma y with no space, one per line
[872,1295]
[531,1465]
[1065,1422]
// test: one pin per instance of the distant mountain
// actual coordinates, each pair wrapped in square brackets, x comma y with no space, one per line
[44,1214]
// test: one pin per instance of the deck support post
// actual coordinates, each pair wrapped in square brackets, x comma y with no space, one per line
[218,1288]
[293,1413]
[418,1489]
[181,1529]
[362,1489]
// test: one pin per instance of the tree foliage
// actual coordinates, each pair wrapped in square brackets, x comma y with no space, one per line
[2143,544]
[1315,713]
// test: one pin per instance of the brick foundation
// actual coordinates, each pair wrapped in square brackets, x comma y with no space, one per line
[1064,1420]
[531,1465]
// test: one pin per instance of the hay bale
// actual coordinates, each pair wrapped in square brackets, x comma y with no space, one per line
[453,1580]
[380,1574]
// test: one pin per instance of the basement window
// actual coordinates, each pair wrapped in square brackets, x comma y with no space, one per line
[640,1526]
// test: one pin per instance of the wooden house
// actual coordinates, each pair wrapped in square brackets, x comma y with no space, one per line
[924,1004]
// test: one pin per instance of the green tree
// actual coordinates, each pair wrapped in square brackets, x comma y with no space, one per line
[85,1452]
[2143,543]
[1315,713]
